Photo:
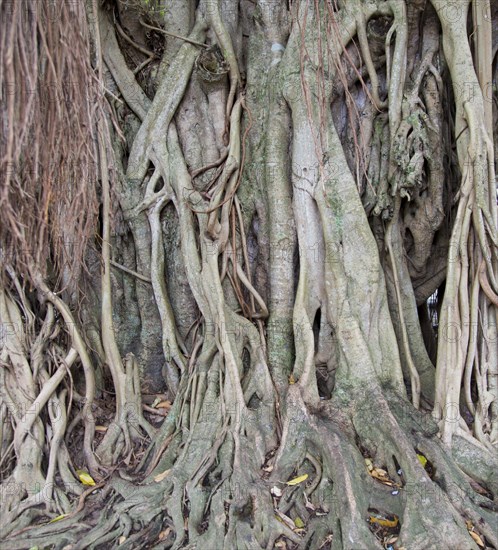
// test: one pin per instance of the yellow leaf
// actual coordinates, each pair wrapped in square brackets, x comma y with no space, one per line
[369,463]
[85,478]
[101,429]
[292,380]
[298,480]
[384,522]
[299,523]
[58,518]
[422,459]
[162,475]
[477,538]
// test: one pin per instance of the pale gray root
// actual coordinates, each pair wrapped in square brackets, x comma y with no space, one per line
[26,389]
[247,420]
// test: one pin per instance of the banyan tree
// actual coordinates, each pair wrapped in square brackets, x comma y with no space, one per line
[249,274]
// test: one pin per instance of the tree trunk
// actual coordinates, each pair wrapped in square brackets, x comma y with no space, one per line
[282,188]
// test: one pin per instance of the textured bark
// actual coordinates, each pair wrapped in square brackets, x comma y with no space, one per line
[282,187]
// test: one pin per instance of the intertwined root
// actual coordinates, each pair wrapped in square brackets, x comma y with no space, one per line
[249,454]
[314,488]
[391,432]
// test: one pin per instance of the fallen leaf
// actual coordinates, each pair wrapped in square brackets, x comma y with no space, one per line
[298,480]
[369,463]
[384,521]
[477,539]
[101,429]
[292,380]
[382,475]
[281,544]
[268,468]
[299,523]
[164,534]
[284,519]
[58,518]
[121,539]
[308,503]
[422,459]
[162,475]
[164,405]
[85,478]
[379,473]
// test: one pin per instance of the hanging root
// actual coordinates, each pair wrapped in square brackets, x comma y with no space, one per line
[35,416]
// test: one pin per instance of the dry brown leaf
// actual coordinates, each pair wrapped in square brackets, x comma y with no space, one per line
[164,405]
[310,506]
[477,538]
[381,475]
[285,519]
[162,475]
[164,534]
